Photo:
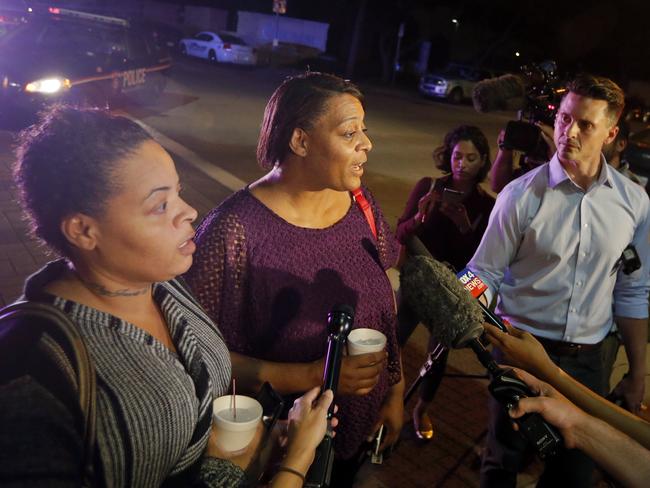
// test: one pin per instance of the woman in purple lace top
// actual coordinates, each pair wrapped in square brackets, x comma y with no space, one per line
[275,257]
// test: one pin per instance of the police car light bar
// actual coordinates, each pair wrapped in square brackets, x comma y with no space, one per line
[88,16]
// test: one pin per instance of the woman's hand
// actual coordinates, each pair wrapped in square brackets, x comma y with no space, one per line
[521,349]
[241,458]
[391,416]
[457,213]
[307,425]
[359,374]
[426,203]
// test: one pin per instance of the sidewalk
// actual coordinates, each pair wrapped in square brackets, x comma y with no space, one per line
[459,409]
[19,255]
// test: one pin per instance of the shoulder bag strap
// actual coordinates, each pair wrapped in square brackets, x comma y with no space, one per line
[364,205]
[54,322]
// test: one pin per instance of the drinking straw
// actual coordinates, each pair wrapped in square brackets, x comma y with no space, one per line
[234,399]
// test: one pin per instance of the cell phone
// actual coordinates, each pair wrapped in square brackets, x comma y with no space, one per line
[377,457]
[438,185]
[272,405]
[450,195]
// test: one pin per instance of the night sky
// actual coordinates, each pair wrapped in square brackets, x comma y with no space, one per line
[607,37]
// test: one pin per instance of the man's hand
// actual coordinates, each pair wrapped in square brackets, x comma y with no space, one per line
[614,451]
[522,349]
[632,392]
[550,404]
[635,338]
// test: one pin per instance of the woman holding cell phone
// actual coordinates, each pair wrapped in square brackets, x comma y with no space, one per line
[449,215]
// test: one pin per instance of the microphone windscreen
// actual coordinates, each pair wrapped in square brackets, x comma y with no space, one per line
[440,302]
[507,92]
[414,247]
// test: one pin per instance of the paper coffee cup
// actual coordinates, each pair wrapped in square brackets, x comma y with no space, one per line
[235,430]
[362,341]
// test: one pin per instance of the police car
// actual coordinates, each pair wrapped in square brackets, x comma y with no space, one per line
[74,56]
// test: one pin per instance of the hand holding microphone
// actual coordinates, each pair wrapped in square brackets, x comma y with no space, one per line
[455,319]
[339,324]
[521,349]
[475,286]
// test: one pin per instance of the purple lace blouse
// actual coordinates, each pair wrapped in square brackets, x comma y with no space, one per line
[269,285]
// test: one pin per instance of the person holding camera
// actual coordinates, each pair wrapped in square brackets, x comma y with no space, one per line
[449,216]
[503,169]
[614,153]
[551,252]
[624,459]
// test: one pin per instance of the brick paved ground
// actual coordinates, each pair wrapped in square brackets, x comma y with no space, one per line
[459,409]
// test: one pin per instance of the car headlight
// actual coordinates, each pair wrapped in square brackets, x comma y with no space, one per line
[48,85]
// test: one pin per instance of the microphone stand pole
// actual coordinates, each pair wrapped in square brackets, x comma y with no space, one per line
[426,369]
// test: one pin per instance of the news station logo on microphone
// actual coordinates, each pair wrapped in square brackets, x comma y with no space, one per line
[472,283]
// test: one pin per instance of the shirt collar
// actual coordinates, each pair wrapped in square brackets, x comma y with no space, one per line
[557,173]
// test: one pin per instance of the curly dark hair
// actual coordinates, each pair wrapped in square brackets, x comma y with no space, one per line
[65,164]
[442,154]
[298,102]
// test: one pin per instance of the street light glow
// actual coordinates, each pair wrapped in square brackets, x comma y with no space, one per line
[454,21]
[517,53]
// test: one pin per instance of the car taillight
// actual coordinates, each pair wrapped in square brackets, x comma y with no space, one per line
[226,46]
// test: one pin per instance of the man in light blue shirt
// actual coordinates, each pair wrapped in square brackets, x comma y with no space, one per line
[551,253]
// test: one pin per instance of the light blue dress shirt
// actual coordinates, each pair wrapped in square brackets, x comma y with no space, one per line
[550,251]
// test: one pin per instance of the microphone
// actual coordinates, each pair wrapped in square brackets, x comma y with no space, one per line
[339,324]
[439,301]
[454,318]
[507,92]
[475,286]
[437,298]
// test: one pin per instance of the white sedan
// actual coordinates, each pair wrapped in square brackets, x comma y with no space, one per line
[222,48]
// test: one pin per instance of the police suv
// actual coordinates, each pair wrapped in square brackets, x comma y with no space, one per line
[73,56]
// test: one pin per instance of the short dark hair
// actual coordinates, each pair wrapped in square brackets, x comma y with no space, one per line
[623,130]
[599,88]
[297,103]
[65,164]
[442,154]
